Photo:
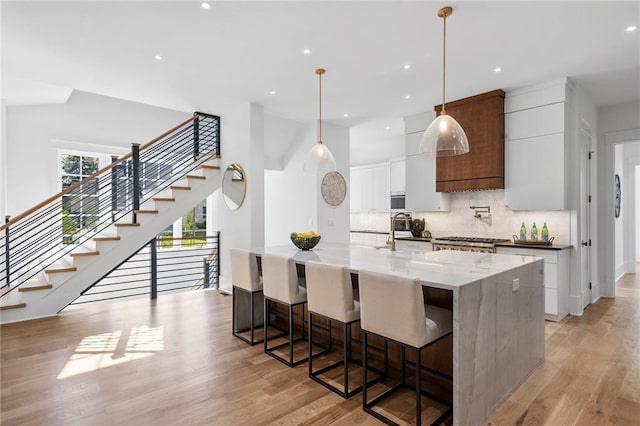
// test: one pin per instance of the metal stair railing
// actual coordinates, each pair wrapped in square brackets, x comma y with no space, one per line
[37,238]
[164,265]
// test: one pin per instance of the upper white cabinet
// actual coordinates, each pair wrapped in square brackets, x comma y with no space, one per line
[420,171]
[397,171]
[370,189]
[535,147]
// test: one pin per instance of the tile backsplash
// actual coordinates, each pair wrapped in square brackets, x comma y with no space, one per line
[460,221]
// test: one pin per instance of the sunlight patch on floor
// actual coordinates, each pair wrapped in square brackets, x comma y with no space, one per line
[109,349]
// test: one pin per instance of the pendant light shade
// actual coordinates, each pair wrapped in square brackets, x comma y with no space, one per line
[444,136]
[319,158]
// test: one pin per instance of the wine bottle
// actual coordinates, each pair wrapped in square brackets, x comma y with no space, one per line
[534,232]
[545,232]
[523,232]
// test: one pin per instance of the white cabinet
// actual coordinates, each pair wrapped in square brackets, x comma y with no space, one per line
[355,194]
[535,148]
[370,189]
[397,172]
[421,195]
[413,245]
[556,278]
[369,239]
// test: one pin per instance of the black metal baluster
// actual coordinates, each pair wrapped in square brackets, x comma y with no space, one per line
[135,151]
[6,250]
[206,283]
[154,268]
[196,136]
[114,189]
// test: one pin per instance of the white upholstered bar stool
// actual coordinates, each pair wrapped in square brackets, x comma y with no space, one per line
[393,308]
[245,278]
[282,285]
[330,295]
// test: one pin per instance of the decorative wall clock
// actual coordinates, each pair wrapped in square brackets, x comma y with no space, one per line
[333,188]
[618,196]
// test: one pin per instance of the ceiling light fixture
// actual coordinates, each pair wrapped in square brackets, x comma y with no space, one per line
[444,136]
[388,128]
[345,115]
[406,67]
[407,97]
[306,51]
[158,57]
[273,92]
[320,157]
[631,28]
[497,69]
[206,5]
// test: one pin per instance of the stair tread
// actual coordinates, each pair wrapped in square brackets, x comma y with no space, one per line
[15,306]
[60,269]
[195,177]
[35,288]
[183,188]
[163,199]
[127,224]
[209,166]
[145,211]
[107,238]
[85,253]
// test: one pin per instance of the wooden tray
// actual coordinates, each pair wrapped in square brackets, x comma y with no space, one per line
[517,240]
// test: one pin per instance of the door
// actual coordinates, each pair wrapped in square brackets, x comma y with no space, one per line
[587,158]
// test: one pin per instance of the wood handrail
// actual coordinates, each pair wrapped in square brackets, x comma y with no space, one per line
[38,206]
[213,253]
[185,238]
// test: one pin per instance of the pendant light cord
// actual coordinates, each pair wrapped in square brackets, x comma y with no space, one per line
[444,61]
[320,107]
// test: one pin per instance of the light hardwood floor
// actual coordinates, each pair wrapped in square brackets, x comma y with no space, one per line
[175,362]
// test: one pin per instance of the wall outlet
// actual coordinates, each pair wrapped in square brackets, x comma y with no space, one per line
[516,284]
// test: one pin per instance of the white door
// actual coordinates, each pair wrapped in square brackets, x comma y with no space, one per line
[587,157]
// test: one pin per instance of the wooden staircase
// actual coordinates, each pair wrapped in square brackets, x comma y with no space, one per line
[50,291]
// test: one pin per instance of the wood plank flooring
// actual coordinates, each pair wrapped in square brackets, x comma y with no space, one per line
[175,361]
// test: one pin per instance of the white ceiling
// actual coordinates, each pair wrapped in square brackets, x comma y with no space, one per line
[240,51]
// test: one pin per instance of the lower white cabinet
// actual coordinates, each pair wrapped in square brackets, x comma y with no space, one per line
[413,245]
[368,239]
[556,278]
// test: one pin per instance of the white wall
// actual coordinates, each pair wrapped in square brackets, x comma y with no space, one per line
[616,124]
[3,160]
[280,135]
[86,122]
[631,153]
[378,150]
[293,201]
[242,136]
[637,206]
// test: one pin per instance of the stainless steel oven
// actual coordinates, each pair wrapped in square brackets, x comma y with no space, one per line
[397,202]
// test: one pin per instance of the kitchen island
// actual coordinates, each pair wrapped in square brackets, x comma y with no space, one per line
[498,313]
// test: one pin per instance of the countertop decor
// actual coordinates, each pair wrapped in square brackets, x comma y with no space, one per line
[305,240]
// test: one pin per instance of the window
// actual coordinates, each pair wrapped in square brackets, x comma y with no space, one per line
[194,222]
[80,206]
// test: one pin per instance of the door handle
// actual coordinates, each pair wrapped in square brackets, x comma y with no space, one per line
[584,244]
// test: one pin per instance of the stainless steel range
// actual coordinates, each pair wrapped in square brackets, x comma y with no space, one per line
[476,244]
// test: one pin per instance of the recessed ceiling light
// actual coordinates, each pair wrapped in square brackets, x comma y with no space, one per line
[345,115]
[306,51]
[407,66]
[407,97]
[631,28]
[497,69]
[206,5]
[388,127]
[158,57]
[273,92]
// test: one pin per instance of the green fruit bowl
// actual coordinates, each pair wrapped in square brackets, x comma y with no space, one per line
[305,243]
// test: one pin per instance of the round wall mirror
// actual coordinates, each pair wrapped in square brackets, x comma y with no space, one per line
[234,186]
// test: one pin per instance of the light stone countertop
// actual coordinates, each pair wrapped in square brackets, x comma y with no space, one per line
[445,269]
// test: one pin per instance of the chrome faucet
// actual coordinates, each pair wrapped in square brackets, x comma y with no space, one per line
[393,228]
[479,210]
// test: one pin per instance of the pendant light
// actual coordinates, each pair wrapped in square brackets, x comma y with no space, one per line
[444,136]
[320,158]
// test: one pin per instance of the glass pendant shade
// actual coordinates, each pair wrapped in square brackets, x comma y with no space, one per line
[444,137]
[319,158]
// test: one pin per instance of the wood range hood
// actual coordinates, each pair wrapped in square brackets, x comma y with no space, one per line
[482,118]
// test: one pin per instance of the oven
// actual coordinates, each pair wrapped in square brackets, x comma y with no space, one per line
[397,202]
